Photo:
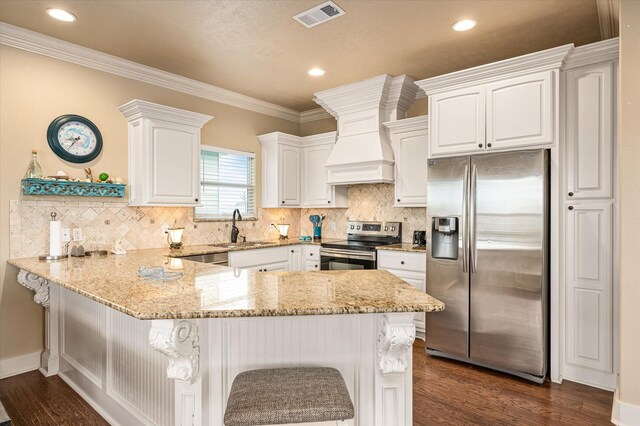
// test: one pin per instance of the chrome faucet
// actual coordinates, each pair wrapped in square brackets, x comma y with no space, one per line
[234,229]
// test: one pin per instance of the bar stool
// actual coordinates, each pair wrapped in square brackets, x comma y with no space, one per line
[289,395]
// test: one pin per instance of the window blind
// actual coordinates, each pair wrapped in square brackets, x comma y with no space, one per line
[227,183]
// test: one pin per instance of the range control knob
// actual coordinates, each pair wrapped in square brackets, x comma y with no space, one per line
[393,228]
[386,228]
[358,227]
[351,227]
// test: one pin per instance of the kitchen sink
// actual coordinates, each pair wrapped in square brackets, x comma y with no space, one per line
[247,244]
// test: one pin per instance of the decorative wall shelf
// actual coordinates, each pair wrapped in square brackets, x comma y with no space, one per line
[61,187]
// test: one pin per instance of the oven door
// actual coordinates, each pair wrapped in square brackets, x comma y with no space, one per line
[340,260]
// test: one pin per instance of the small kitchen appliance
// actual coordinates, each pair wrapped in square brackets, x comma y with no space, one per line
[420,238]
[358,251]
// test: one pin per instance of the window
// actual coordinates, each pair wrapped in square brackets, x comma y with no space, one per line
[227,180]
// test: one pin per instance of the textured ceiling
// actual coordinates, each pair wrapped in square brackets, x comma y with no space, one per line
[255,48]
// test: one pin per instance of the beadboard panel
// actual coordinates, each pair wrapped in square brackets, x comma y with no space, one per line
[136,374]
[82,341]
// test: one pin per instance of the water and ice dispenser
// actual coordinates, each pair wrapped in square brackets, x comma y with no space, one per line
[444,238]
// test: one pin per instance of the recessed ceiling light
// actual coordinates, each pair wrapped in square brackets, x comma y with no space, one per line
[62,15]
[463,25]
[316,72]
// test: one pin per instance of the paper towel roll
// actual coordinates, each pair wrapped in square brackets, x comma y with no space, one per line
[55,238]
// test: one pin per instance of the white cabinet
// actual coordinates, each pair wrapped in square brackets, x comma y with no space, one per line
[589,289]
[164,154]
[520,112]
[295,258]
[266,259]
[316,192]
[503,106]
[411,267]
[311,257]
[289,175]
[409,140]
[589,202]
[281,174]
[589,131]
[457,122]
[294,174]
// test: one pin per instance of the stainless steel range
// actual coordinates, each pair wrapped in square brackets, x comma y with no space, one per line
[358,251]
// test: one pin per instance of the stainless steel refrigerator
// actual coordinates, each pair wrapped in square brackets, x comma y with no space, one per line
[487,260]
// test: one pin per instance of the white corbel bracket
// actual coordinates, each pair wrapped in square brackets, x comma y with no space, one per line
[36,283]
[178,340]
[396,334]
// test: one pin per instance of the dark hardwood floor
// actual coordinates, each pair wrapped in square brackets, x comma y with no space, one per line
[444,392]
[454,393]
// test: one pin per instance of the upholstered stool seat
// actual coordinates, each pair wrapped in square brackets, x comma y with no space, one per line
[288,395]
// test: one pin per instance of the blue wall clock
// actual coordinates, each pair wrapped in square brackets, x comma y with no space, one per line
[74,138]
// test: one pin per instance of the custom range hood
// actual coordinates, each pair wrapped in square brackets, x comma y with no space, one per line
[362,153]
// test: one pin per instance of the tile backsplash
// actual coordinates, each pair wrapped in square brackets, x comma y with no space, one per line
[104,222]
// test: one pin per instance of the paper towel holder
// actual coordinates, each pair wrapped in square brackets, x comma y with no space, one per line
[48,257]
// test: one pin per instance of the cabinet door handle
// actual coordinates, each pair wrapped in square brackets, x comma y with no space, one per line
[571,194]
[479,145]
[316,266]
[328,201]
[196,200]
[402,262]
[291,251]
[489,145]
[283,202]
[398,199]
[310,254]
[570,207]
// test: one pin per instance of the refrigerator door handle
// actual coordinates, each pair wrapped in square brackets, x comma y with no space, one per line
[465,215]
[472,221]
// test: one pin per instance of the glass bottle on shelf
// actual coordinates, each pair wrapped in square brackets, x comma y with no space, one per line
[34,171]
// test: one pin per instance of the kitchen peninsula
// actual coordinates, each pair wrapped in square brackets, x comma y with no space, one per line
[111,334]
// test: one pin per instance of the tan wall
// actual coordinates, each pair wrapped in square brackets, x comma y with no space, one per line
[33,91]
[320,126]
[628,157]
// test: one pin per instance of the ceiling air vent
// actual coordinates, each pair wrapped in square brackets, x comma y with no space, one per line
[319,14]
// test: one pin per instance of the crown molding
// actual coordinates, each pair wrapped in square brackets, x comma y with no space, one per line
[314,115]
[606,50]
[412,124]
[34,42]
[608,16]
[136,109]
[526,64]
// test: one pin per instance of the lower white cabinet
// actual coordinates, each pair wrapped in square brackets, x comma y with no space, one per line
[281,258]
[295,258]
[411,267]
[311,257]
[589,292]
[269,259]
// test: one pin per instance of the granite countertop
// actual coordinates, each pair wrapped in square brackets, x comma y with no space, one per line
[210,291]
[403,247]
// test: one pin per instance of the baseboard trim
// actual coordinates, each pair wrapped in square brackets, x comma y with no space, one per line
[89,400]
[623,413]
[19,364]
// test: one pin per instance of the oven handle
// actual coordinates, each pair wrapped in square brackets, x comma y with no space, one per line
[347,254]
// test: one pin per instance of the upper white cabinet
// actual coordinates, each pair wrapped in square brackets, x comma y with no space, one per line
[507,105]
[294,174]
[164,154]
[281,170]
[409,139]
[589,131]
[457,120]
[315,191]
[520,111]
